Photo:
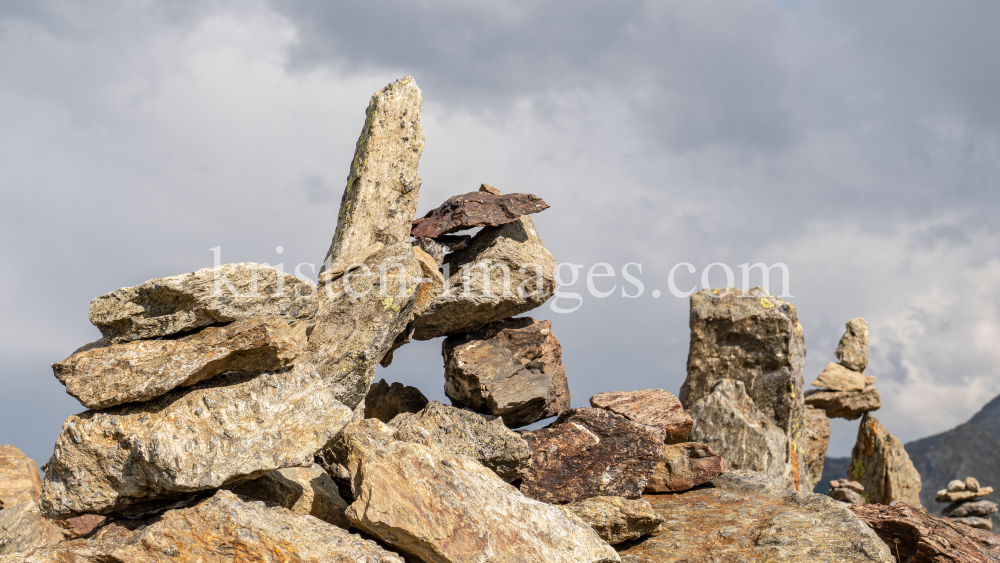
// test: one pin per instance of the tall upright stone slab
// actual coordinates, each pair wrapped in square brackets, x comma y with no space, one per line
[881,464]
[756,339]
[380,199]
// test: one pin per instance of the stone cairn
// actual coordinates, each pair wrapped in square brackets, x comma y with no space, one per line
[967,504]
[847,492]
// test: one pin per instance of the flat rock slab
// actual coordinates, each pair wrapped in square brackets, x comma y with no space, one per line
[845,404]
[685,466]
[970,508]
[223,294]
[974,522]
[512,369]
[482,437]
[959,496]
[219,529]
[306,490]
[881,464]
[817,441]
[746,518]
[918,536]
[617,519]
[445,508]
[505,271]
[385,401]
[654,407]
[235,427]
[852,351]
[588,453]
[476,209]
[105,376]
[836,377]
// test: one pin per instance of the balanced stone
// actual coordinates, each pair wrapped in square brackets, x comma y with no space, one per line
[852,351]
[617,519]
[385,401]
[476,209]
[836,377]
[970,508]
[844,404]
[945,496]
[974,522]
[971,484]
[880,463]
[685,466]
[654,407]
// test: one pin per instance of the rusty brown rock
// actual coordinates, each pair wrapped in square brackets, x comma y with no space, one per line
[881,464]
[385,401]
[306,490]
[916,535]
[852,351]
[844,404]
[588,453]
[512,369]
[817,440]
[685,466]
[744,517]
[654,407]
[617,519]
[836,377]
[105,376]
[476,209]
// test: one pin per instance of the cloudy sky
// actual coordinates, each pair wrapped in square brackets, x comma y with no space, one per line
[857,142]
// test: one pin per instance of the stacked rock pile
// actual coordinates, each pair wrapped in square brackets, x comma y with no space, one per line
[967,504]
[848,492]
[844,390]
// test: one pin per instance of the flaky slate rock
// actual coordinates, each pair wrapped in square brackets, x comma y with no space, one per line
[836,377]
[460,432]
[685,466]
[852,351]
[104,376]
[385,401]
[305,490]
[617,519]
[918,536]
[22,525]
[505,271]
[219,432]
[746,518]
[751,337]
[817,441]
[845,404]
[654,407]
[380,198]
[218,295]
[220,529]
[881,464]
[591,452]
[446,508]
[731,424]
[475,209]
[970,508]
[512,369]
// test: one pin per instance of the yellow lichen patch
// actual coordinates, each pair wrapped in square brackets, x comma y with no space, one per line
[765,303]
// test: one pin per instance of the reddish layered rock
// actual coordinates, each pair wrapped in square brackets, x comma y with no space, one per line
[476,209]
[685,466]
[654,407]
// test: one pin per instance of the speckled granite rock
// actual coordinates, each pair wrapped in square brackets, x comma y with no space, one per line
[306,490]
[880,463]
[685,466]
[617,519]
[654,407]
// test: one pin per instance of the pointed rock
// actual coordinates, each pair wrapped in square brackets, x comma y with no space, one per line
[617,519]
[653,407]
[476,209]
[385,401]
[852,351]
[879,462]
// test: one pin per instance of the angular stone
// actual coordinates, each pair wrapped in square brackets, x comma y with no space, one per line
[844,404]
[617,519]
[22,525]
[19,478]
[729,422]
[456,431]
[751,337]
[380,199]
[879,462]
[685,466]
[220,529]
[444,508]
[79,525]
[512,369]
[476,209]
[232,428]
[974,522]
[847,495]
[505,271]
[211,296]
[306,490]
[489,189]
[917,535]
[836,377]
[960,496]
[971,484]
[588,453]
[385,401]
[654,407]
[846,484]
[744,517]
[817,440]
[970,508]
[852,351]
[438,248]
[104,376]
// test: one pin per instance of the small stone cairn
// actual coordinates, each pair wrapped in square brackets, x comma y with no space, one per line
[847,492]
[967,503]
[844,390]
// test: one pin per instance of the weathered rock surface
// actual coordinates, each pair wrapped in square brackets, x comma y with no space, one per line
[754,338]
[231,428]
[879,462]
[974,522]
[22,525]
[746,518]
[959,496]
[852,351]
[685,466]
[440,507]
[817,440]
[19,478]
[222,528]
[380,199]
[654,407]
[844,404]
[456,431]
[970,508]
[512,369]
[211,296]
[476,209]
[847,495]
[385,401]
[617,519]
[588,453]
[505,271]
[432,285]
[917,535]
[836,377]
[971,484]
[731,424]
[438,248]
[104,376]
[306,490]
